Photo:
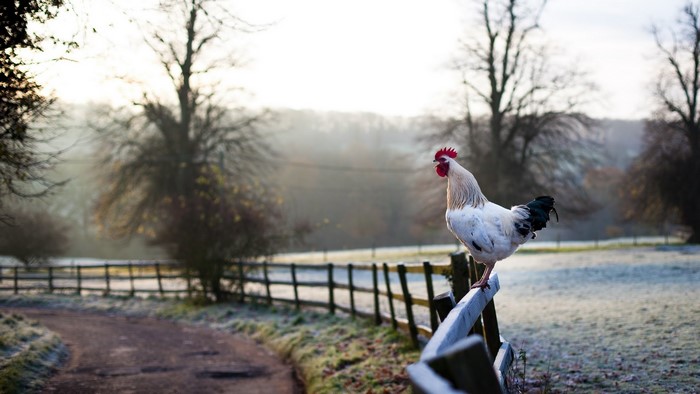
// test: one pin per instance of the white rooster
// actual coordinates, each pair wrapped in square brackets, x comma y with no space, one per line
[489,231]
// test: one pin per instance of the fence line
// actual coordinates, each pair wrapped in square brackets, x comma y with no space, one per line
[262,282]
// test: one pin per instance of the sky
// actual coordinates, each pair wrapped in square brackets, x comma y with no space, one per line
[390,57]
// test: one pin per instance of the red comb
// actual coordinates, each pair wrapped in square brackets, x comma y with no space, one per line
[446,151]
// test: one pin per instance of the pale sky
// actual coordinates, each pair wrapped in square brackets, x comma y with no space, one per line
[386,56]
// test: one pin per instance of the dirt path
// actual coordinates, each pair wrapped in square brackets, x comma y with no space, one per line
[110,354]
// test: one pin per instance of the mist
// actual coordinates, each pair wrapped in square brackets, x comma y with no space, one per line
[357,180]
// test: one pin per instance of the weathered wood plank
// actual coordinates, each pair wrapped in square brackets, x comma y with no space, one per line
[425,381]
[503,361]
[385,268]
[460,319]
[491,332]
[296,287]
[444,303]
[408,302]
[331,283]
[428,272]
[375,290]
[460,275]
[467,365]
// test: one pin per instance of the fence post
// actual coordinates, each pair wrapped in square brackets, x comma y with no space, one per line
[375,285]
[241,279]
[131,280]
[158,277]
[444,303]
[428,271]
[80,280]
[408,301]
[50,280]
[331,298]
[389,296]
[460,275]
[188,278]
[107,288]
[352,295]
[475,272]
[15,279]
[491,333]
[296,288]
[267,283]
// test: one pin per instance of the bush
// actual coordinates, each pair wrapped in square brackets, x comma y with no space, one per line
[33,237]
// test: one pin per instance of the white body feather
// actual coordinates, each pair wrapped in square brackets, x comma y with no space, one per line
[488,231]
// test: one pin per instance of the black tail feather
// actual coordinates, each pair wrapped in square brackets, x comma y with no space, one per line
[540,208]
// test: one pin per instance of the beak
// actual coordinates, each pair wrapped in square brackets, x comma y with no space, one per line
[435,161]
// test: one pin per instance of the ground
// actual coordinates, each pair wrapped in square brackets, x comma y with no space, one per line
[110,353]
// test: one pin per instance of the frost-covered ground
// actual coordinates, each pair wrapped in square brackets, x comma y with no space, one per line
[609,321]
[618,320]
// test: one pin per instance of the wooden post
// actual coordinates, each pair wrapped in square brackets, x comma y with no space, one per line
[80,280]
[50,280]
[408,301]
[241,278]
[188,278]
[107,288]
[331,300]
[132,292]
[475,272]
[389,296]
[443,304]
[352,295]
[460,275]
[160,282]
[466,365]
[297,306]
[15,280]
[428,271]
[491,333]
[267,283]
[375,285]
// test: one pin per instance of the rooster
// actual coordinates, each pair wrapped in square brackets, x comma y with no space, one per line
[489,231]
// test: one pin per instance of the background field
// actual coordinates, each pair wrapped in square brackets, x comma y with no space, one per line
[615,320]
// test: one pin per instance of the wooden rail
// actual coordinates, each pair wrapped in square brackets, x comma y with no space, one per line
[261,283]
[466,352]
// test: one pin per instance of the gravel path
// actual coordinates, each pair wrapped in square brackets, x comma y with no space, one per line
[110,354]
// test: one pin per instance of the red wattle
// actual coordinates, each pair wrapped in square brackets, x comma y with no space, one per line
[440,171]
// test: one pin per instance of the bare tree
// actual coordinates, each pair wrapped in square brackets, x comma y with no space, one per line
[521,132]
[22,104]
[186,175]
[662,184]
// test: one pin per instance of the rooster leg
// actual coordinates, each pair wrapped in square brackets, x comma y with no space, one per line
[484,281]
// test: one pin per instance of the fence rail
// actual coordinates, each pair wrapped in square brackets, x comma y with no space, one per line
[466,353]
[385,293]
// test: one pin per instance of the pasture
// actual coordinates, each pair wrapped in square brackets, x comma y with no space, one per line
[611,320]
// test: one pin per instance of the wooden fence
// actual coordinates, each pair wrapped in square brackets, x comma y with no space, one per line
[466,353]
[263,282]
